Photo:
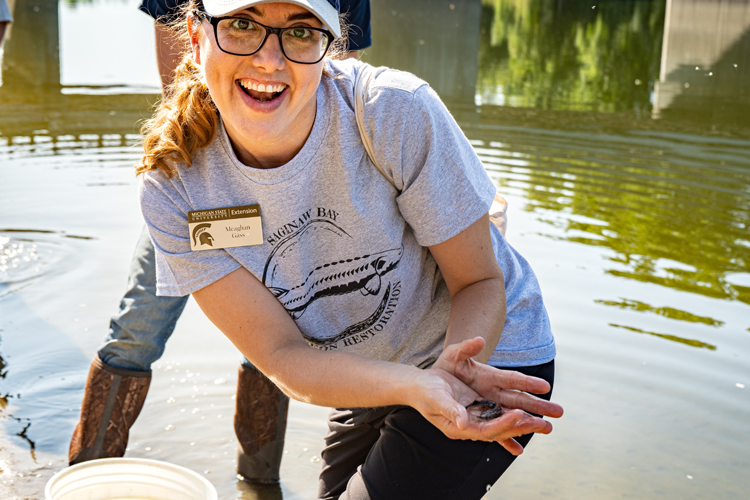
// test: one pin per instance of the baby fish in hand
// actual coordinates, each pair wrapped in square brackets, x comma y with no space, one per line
[492,410]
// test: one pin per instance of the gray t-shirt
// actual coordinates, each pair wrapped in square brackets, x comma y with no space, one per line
[344,251]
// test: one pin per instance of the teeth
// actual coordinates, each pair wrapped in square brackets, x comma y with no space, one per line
[261,87]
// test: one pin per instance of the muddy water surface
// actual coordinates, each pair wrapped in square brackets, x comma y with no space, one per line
[618,132]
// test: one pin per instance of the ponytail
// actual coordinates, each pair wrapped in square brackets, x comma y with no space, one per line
[184,123]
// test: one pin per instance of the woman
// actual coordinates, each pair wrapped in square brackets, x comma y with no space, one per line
[382,300]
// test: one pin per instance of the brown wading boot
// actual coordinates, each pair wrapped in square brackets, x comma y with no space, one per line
[260,424]
[112,400]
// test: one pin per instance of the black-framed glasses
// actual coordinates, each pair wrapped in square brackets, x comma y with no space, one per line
[241,36]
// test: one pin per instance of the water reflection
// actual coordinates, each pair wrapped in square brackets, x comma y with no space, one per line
[673,338]
[570,54]
[704,70]
[32,99]
[675,214]
[667,312]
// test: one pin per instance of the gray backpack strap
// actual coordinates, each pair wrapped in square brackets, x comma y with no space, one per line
[361,86]
[499,208]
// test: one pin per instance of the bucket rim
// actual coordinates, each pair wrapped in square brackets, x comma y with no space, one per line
[99,462]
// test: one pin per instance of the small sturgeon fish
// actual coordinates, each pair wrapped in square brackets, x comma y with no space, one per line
[337,278]
[493,409]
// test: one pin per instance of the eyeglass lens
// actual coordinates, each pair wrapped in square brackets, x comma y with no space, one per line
[244,37]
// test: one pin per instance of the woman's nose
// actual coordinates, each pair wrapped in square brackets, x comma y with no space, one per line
[270,57]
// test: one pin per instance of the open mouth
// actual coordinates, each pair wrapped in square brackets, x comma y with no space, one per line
[262,93]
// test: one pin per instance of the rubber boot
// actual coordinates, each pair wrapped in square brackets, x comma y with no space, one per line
[112,400]
[260,424]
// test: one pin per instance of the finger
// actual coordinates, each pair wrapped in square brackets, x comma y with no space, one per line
[452,410]
[510,379]
[526,402]
[512,446]
[515,423]
[464,350]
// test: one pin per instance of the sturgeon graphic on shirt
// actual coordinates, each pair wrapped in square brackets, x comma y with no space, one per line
[352,274]
[362,274]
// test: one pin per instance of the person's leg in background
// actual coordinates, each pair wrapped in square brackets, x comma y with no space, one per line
[120,374]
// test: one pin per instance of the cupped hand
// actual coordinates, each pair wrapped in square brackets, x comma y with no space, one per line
[441,398]
[457,380]
[508,388]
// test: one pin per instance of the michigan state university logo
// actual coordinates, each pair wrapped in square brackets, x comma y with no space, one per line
[201,234]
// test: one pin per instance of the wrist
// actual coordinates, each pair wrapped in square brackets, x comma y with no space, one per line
[411,386]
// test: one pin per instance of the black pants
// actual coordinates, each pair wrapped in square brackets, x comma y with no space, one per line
[394,453]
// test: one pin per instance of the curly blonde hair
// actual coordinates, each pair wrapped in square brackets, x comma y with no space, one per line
[186,118]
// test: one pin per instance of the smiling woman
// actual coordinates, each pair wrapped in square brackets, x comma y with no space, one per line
[385,294]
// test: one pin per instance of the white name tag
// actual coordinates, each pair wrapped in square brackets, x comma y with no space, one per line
[225,227]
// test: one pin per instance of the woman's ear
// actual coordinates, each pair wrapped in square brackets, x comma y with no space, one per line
[193,25]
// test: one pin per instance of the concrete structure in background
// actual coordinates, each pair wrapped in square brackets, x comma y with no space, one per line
[32,50]
[31,96]
[705,62]
[437,40]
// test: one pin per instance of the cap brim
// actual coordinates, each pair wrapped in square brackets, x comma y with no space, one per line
[323,10]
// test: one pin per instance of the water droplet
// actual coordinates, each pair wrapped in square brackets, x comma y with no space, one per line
[220,381]
[218,416]
[170,427]
[315,459]
[741,386]
[488,459]
[196,410]
[304,449]
[207,472]
[687,85]
[192,444]
[171,400]
[697,68]
[148,448]
[489,487]
[689,476]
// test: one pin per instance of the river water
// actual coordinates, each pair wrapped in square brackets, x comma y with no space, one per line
[618,131]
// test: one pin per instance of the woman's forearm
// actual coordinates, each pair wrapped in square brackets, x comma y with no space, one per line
[256,323]
[478,310]
[339,379]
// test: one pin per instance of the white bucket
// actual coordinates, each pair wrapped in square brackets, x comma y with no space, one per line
[128,479]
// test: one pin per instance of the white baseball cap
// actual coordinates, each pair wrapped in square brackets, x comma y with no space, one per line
[325,10]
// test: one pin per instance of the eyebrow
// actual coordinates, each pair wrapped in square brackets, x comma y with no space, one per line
[294,17]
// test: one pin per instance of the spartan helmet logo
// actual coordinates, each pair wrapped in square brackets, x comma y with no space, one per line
[200,233]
